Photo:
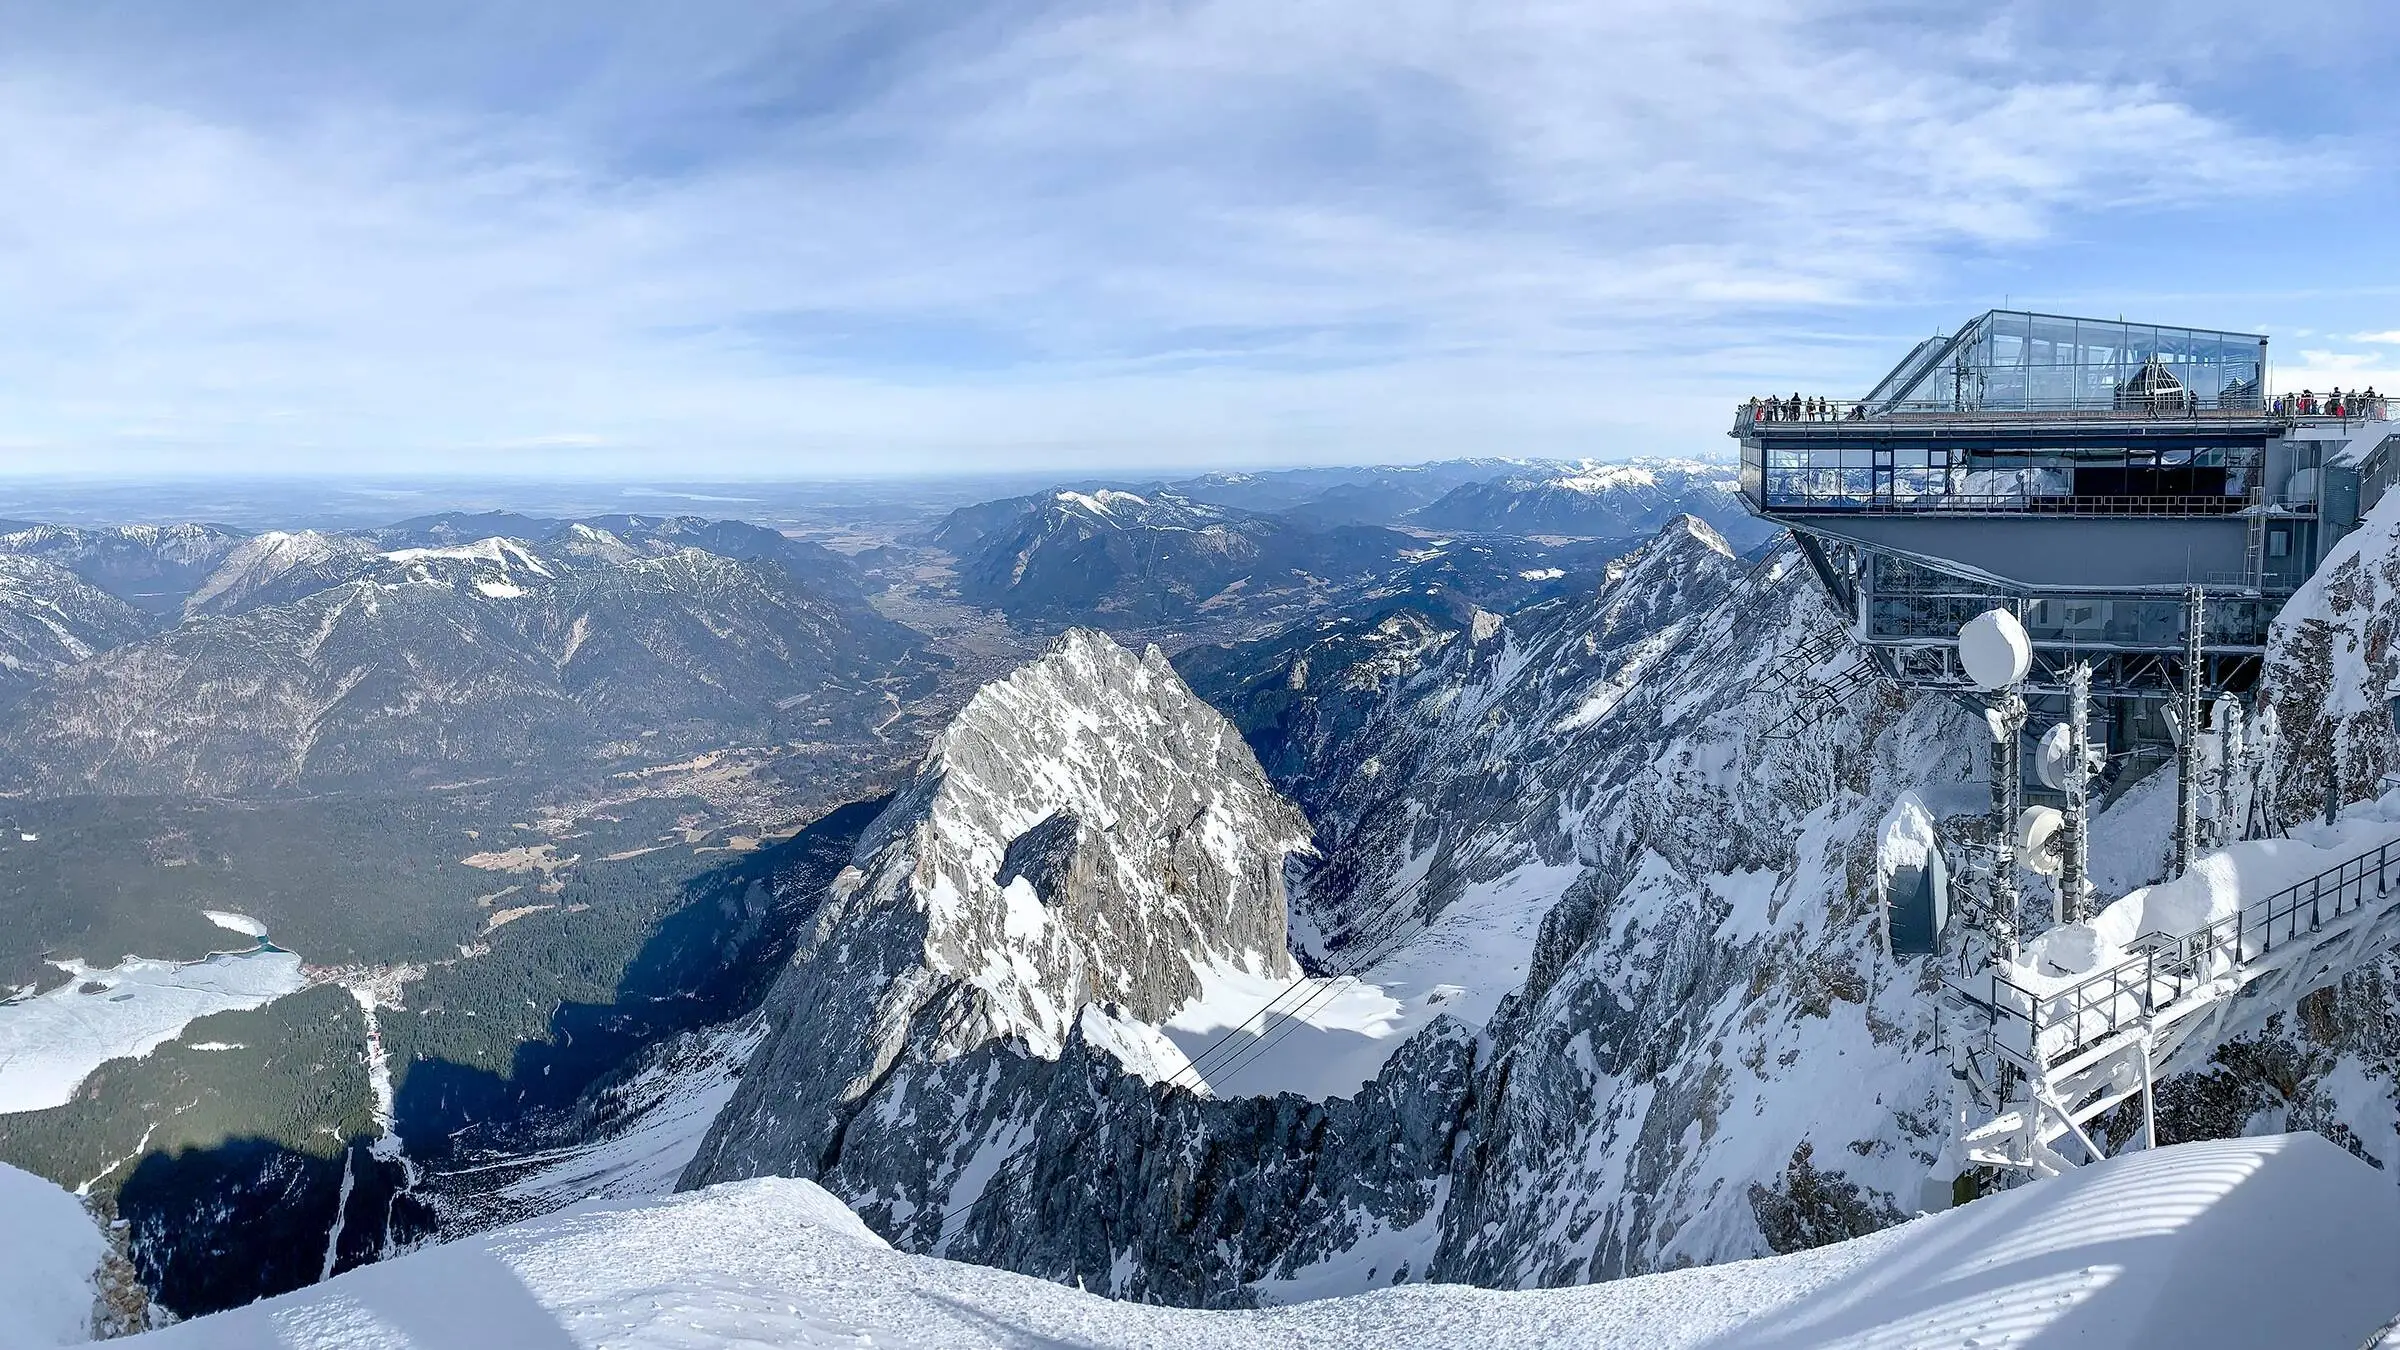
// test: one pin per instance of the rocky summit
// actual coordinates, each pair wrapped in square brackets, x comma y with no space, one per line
[1082,849]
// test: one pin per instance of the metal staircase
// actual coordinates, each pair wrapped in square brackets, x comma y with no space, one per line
[2062,1058]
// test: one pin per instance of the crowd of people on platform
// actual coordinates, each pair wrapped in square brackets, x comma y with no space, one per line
[2364,405]
[1798,409]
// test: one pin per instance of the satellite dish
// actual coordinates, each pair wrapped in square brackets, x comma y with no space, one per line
[2053,755]
[2037,839]
[1913,878]
[1993,648]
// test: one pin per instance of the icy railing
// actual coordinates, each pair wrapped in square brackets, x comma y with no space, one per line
[2063,1023]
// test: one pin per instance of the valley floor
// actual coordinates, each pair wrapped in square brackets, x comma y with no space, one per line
[2283,1241]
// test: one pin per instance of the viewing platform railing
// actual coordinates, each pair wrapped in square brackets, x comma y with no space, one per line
[2045,1030]
[2132,408]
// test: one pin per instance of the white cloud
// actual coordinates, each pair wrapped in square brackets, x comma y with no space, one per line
[2323,370]
[1231,228]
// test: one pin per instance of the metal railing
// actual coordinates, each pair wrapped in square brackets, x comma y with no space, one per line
[2064,1023]
[1838,413]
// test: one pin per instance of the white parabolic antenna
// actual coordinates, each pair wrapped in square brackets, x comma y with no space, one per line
[2055,752]
[1993,648]
[2037,839]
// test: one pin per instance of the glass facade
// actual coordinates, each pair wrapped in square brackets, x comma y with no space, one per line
[2207,480]
[2012,360]
[1909,601]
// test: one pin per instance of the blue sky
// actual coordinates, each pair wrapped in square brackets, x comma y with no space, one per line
[776,240]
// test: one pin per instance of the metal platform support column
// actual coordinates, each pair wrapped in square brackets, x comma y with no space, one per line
[2074,873]
[2008,792]
[2188,715]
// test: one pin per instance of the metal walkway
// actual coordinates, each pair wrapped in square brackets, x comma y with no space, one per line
[2074,1053]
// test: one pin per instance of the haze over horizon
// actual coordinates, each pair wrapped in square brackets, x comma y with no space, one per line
[779,241]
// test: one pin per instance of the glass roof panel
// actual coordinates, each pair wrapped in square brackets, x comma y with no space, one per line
[2015,359]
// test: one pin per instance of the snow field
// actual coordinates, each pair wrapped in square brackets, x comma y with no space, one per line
[2282,1241]
[49,1250]
[50,1043]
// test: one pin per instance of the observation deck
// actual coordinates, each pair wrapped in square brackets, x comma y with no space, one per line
[2086,473]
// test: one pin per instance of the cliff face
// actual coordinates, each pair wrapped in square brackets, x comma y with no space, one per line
[1577,820]
[1086,832]
[2332,1064]
[1618,901]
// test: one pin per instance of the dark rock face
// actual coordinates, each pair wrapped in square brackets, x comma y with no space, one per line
[1150,1192]
[1054,857]
[1809,1208]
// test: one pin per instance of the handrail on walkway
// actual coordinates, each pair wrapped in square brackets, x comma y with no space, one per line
[2107,1001]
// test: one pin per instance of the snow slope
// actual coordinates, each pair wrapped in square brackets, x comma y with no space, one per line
[49,1250]
[49,1043]
[2240,1243]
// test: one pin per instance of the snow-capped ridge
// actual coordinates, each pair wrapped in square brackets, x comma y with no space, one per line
[2282,1240]
[1084,833]
[509,554]
[50,1253]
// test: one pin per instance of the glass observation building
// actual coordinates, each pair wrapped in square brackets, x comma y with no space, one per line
[2007,361]
[2091,475]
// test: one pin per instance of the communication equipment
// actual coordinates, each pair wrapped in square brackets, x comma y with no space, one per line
[2038,839]
[1994,650]
[2056,751]
[1913,878]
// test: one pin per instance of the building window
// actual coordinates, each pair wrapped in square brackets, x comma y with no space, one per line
[2279,542]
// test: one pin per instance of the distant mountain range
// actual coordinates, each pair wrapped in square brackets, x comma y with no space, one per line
[51,619]
[1597,500]
[1228,550]
[312,660]
[151,567]
[1133,559]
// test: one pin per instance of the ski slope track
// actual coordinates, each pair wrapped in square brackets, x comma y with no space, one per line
[2279,1241]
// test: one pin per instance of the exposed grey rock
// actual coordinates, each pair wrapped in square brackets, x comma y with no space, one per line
[1162,841]
[50,619]
[347,669]
[151,567]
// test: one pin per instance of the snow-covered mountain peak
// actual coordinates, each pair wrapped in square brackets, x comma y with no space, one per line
[258,565]
[1087,833]
[1104,502]
[507,554]
[1087,830]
